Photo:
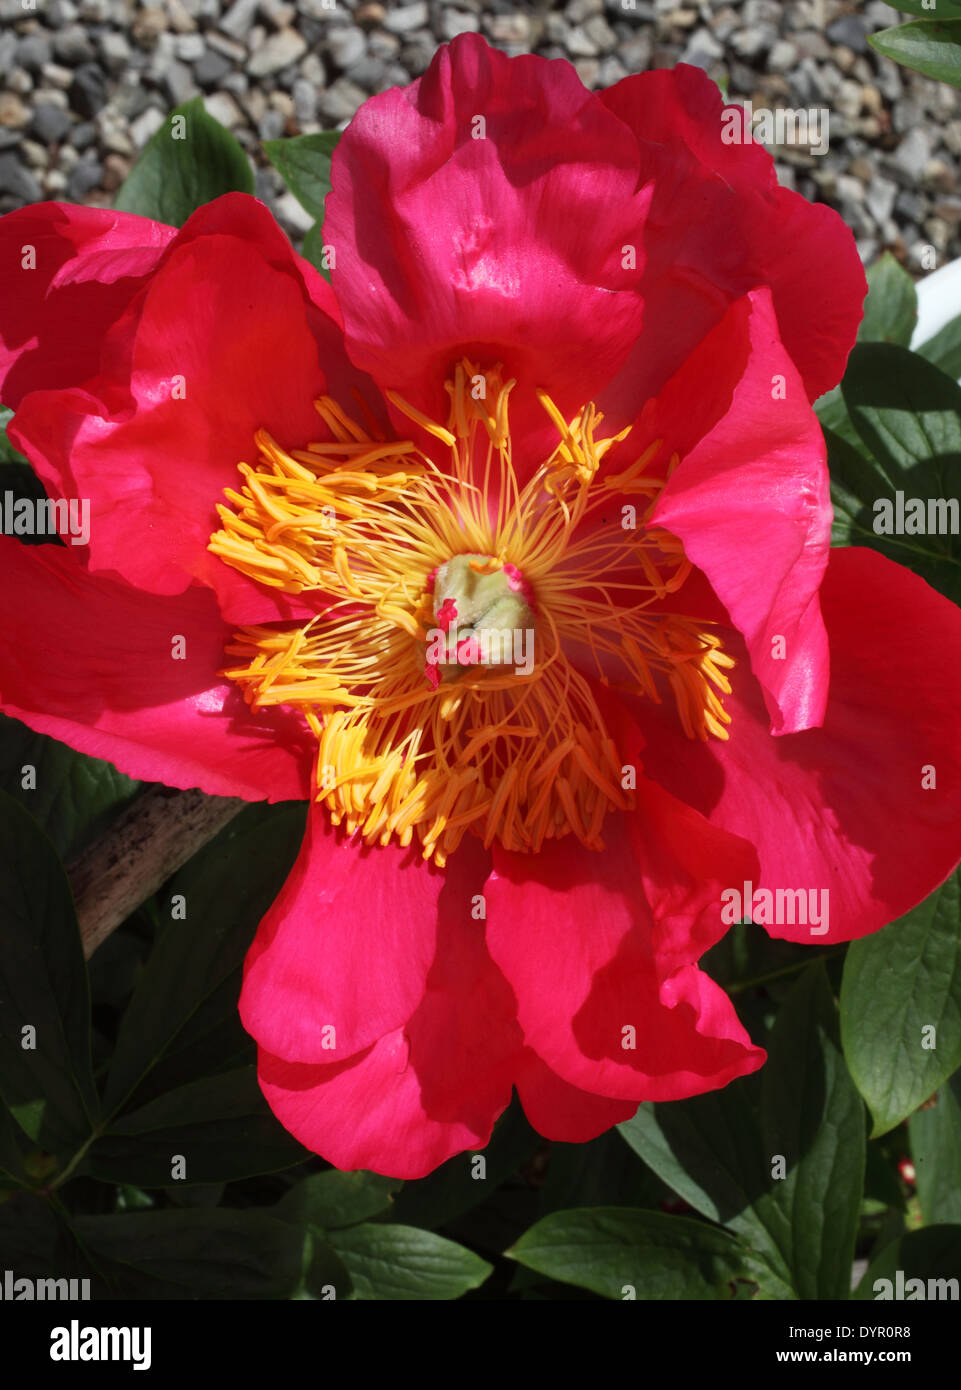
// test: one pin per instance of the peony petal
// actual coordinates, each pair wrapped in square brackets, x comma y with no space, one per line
[719,226]
[66,274]
[187,378]
[451,239]
[434,1087]
[560,1111]
[597,944]
[843,809]
[751,502]
[349,943]
[93,662]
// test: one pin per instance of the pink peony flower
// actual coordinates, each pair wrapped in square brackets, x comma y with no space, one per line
[553,416]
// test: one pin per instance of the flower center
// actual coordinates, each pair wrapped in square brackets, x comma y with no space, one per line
[483,611]
[450,597]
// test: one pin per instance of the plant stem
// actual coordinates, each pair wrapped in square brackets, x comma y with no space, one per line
[150,840]
[741,985]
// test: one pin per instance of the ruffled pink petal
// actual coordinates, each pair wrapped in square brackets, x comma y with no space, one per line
[93,662]
[224,338]
[503,240]
[600,951]
[349,942]
[66,274]
[842,809]
[560,1111]
[435,1086]
[750,500]
[719,226]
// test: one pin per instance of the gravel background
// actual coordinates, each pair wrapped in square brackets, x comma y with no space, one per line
[85,83]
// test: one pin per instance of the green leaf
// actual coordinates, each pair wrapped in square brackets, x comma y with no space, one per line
[933,1253]
[73,797]
[802,1114]
[43,987]
[205,1253]
[812,1115]
[897,983]
[401,1262]
[881,1182]
[931,46]
[907,413]
[891,308]
[854,481]
[182,1016]
[721,1151]
[325,1275]
[622,1253]
[11,1158]
[935,1134]
[332,1200]
[455,1186]
[189,161]
[603,1172]
[220,1126]
[944,349]
[833,416]
[940,9]
[8,454]
[303,163]
[34,1243]
[708,1150]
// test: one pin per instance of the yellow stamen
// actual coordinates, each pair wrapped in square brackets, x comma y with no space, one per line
[517,754]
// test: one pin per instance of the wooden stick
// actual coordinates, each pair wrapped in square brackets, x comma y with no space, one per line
[160,830]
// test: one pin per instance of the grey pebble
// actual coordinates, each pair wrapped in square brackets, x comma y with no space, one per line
[88,92]
[305,102]
[179,82]
[238,19]
[31,52]
[84,177]
[18,181]
[271,125]
[403,19]
[346,45]
[83,135]
[73,46]
[849,30]
[341,100]
[50,124]
[211,68]
[276,52]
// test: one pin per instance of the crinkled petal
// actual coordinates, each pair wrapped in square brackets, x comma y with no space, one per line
[842,809]
[750,500]
[466,218]
[224,338]
[95,664]
[349,942]
[66,274]
[719,226]
[600,949]
[562,1112]
[435,1086]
